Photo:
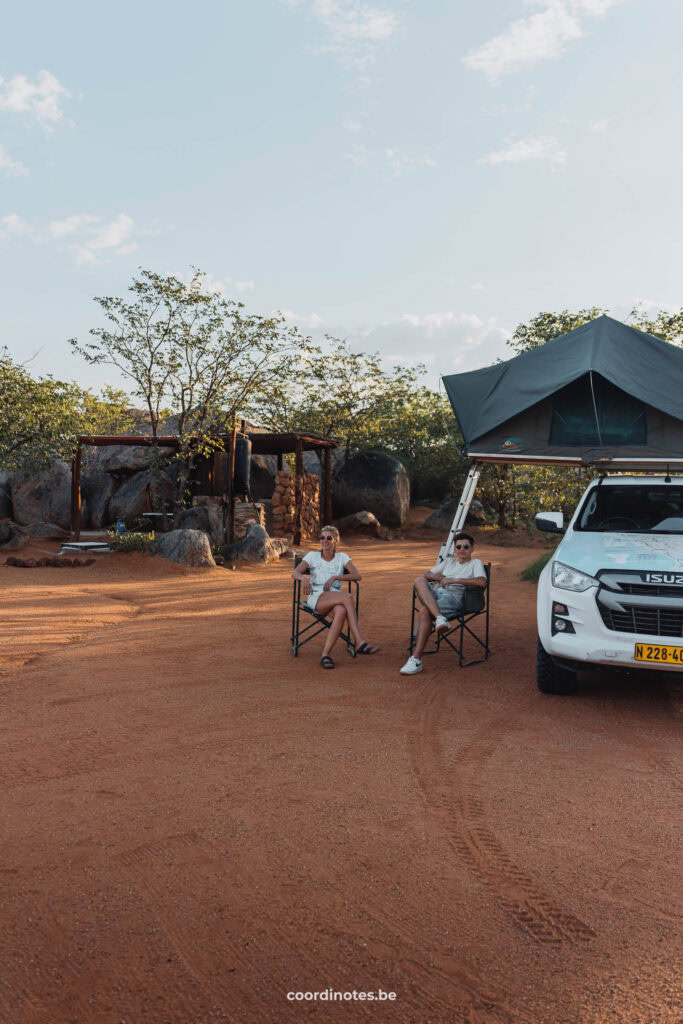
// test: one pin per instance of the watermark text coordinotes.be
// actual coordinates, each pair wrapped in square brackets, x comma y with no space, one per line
[331,995]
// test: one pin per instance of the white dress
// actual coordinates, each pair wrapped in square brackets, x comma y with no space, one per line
[321,571]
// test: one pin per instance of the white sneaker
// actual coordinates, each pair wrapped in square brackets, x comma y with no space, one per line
[441,625]
[411,667]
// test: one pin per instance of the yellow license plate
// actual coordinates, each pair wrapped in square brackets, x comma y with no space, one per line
[659,654]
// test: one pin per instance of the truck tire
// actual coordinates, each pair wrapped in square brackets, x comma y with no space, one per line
[550,678]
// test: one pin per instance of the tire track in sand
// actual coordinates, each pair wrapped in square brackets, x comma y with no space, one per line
[452,787]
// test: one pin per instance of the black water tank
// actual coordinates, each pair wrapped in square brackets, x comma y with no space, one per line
[242,465]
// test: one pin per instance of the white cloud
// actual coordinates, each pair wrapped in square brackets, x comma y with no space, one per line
[71,225]
[655,305]
[397,163]
[12,168]
[477,287]
[113,235]
[13,225]
[542,36]
[40,100]
[544,147]
[388,162]
[210,284]
[90,239]
[349,125]
[352,29]
[447,342]
[310,321]
[359,155]
[599,127]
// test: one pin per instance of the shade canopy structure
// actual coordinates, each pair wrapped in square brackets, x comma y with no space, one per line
[216,472]
[604,393]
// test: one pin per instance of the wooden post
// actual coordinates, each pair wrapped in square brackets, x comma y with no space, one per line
[76,494]
[299,491]
[231,485]
[326,504]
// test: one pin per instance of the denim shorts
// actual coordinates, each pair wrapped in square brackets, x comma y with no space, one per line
[450,600]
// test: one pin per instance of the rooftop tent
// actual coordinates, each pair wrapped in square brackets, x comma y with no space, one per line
[604,392]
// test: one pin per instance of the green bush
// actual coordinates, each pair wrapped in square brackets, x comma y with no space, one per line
[127,542]
[534,569]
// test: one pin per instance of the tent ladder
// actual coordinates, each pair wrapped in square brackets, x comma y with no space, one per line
[462,509]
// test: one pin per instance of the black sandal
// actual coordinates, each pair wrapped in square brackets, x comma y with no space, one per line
[327,662]
[367,648]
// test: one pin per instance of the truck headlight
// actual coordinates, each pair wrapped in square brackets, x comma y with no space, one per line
[566,578]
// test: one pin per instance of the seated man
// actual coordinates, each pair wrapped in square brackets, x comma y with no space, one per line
[442,594]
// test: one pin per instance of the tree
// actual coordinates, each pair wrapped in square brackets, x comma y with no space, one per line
[39,418]
[342,394]
[545,326]
[108,413]
[667,326]
[195,351]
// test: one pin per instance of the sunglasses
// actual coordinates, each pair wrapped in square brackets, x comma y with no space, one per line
[327,538]
[465,546]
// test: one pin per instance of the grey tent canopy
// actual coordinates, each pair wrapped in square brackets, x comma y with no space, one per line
[602,393]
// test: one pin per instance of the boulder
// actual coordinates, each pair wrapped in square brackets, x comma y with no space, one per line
[256,546]
[142,492]
[187,547]
[312,464]
[442,518]
[5,496]
[12,535]
[375,482]
[50,530]
[97,487]
[262,480]
[359,522]
[207,518]
[128,459]
[42,497]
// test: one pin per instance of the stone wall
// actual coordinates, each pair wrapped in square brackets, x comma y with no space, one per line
[247,513]
[284,508]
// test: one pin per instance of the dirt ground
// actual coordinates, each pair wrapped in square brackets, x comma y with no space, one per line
[195,823]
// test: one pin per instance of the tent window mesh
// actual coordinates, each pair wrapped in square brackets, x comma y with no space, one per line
[621,419]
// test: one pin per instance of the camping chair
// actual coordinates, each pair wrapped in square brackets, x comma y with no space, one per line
[299,606]
[476,604]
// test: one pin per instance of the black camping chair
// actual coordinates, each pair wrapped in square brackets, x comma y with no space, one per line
[476,604]
[299,606]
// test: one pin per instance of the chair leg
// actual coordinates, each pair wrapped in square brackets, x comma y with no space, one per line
[411,646]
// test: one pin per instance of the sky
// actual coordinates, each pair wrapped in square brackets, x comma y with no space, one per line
[415,176]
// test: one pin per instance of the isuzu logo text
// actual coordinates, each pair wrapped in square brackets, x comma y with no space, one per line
[664,577]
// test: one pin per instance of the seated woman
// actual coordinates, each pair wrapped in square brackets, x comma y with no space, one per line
[322,589]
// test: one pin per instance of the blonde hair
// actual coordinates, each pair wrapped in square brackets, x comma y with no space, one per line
[335,534]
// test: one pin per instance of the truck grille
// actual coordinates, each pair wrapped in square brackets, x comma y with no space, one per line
[651,589]
[629,604]
[652,621]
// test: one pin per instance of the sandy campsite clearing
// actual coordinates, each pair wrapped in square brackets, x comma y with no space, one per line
[195,823]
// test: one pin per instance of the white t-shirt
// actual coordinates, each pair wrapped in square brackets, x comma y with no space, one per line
[321,570]
[452,569]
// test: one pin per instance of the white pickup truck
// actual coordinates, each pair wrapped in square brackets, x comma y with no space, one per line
[612,593]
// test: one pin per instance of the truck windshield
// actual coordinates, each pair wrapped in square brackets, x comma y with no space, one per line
[635,508]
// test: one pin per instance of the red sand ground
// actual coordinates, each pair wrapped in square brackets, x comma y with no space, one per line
[195,823]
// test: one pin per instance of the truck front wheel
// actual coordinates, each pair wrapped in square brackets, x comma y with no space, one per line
[549,677]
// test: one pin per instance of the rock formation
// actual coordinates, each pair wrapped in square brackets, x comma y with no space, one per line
[187,547]
[373,481]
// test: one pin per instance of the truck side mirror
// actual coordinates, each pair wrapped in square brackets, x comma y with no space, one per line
[550,522]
